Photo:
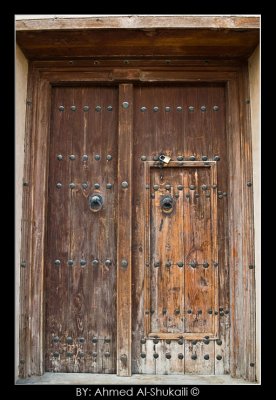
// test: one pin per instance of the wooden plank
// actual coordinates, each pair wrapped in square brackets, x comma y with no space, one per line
[161,348]
[100,232]
[39,180]
[217,97]
[178,76]
[135,21]
[140,245]
[167,283]
[70,44]
[170,359]
[235,230]
[26,226]
[249,297]
[199,281]
[58,237]
[175,365]
[220,352]
[148,364]
[199,357]
[115,62]
[124,235]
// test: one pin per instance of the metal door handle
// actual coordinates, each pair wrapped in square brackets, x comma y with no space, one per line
[95,202]
[167,204]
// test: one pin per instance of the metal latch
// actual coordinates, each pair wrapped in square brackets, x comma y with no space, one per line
[164,159]
[95,202]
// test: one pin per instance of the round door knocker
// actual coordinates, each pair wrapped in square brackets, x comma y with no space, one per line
[95,202]
[167,204]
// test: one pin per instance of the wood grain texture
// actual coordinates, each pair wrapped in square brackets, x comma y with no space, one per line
[124,241]
[225,133]
[235,232]
[139,21]
[25,367]
[250,284]
[70,44]
[77,295]
[190,232]
[199,357]
[166,248]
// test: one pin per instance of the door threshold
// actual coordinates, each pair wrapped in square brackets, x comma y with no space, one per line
[53,378]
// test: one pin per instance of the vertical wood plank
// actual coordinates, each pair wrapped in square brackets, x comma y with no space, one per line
[170,359]
[40,169]
[148,365]
[175,366]
[58,236]
[199,281]
[166,249]
[199,357]
[249,298]
[124,237]
[235,229]
[220,351]
[160,362]
[218,140]
[26,228]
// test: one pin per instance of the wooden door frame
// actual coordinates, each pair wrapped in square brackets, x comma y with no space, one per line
[42,76]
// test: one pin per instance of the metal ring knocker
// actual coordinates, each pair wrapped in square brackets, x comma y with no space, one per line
[95,202]
[167,204]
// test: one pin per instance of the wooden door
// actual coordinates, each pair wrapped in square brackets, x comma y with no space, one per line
[162,227]
[180,270]
[81,240]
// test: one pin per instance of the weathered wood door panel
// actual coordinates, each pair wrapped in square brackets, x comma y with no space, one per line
[183,279]
[180,262]
[81,243]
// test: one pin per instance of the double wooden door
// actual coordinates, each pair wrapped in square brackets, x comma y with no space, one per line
[176,295]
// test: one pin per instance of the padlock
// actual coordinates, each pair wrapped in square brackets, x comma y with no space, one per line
[164,159]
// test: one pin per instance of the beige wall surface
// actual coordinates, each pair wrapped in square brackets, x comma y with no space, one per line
[21,73]
[254,81]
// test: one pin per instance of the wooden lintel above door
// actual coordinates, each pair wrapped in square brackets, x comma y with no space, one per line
[178,36]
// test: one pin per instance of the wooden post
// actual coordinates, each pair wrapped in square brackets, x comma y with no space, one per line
[124,237]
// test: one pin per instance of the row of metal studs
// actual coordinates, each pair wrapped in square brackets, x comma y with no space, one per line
[181,264]
[199,312]
[83,262]
[143,108]
[84,185]
[177,312]
[85,108]
[181,341]
[178,108]
[72,157]
[168,186]
[180,356]
[143,355]
[97,157]
[197,195]
[182,158]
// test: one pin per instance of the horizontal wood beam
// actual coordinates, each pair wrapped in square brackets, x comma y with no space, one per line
[138,21]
